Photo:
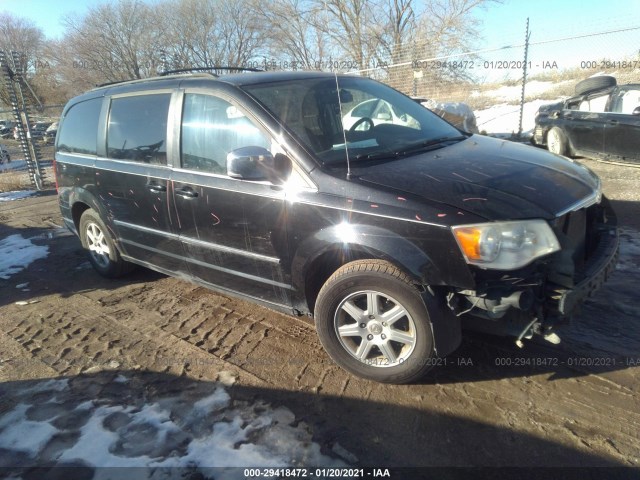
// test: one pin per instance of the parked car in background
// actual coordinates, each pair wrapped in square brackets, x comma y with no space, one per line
[458,114]
[371,113]
[50,133]
[6,128]
[602,120]
[4,154]
[39,129]
[388,236]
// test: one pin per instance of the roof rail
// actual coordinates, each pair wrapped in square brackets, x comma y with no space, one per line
[206,69]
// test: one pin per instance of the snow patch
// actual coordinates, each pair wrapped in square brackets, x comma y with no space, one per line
[503,120]
[24,435]
[193,430]
[17,253]
[514,93]
[15,195]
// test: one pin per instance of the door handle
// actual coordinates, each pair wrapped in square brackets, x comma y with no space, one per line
[156,188]
[187,192]
[613,122]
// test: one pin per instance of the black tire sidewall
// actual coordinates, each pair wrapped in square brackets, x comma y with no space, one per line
[593,84]
[115,265]
[332,295]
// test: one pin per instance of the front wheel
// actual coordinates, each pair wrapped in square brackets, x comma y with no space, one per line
[557,141]
[373,323]
[103,254]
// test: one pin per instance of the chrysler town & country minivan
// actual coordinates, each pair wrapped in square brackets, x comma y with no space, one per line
[387,234]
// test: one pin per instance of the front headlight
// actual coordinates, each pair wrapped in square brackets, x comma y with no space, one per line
[505,245]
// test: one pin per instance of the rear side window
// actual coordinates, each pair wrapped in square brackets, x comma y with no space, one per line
[137,128]
[80,128]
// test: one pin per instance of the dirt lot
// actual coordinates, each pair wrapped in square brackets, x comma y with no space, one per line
[492,404]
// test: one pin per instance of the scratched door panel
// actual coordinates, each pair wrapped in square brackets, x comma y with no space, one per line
[134,182]
[235,239]
[233,231]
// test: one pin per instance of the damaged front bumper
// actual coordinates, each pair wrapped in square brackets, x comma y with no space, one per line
[598,269]
[548,292]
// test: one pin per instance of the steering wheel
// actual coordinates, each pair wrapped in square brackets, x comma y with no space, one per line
[360,122]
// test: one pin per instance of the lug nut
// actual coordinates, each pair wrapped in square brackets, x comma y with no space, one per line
[369,337]
[384,337]
[362,325]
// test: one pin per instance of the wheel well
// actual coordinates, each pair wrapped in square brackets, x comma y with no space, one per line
[323,267]
[76,211]
[326,264]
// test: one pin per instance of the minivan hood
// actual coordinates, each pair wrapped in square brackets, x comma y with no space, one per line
[495,179]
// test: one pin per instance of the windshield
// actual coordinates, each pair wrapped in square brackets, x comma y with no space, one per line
[376,120]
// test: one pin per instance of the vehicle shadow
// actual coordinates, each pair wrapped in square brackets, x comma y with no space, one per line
[127,414]
[65,270]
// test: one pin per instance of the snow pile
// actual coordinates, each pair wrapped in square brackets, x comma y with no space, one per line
[15,164]
[513,93]
[193,430]
[16,195]
[458,113]
[17,253]
[503,120]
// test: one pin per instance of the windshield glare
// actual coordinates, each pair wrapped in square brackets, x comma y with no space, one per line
[374,119]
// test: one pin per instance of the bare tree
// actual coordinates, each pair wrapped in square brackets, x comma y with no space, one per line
[399,28]
[206,33]
[295,32]
[22,36]
[114,41]
[355,25]
[449,27]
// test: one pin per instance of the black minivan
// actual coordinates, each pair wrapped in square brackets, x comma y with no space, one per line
[387,231]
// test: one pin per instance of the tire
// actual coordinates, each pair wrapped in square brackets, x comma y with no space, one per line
[557,142]
[595,83]
[103,254]
[398,312]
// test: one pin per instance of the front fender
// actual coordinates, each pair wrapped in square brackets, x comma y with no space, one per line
[358,241]
[373,241]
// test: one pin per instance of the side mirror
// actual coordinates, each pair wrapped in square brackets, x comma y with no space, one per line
[257,163]
[636,111]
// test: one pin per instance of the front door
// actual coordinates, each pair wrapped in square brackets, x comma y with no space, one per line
[233,231]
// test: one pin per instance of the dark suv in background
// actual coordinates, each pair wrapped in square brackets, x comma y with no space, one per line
[602,120]
[386,233]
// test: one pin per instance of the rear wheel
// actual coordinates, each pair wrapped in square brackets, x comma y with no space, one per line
[103,254]
[557,141]
[372,321]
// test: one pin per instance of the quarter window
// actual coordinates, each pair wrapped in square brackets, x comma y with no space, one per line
[79,128]
[626,101]
[138,128]
[211,128]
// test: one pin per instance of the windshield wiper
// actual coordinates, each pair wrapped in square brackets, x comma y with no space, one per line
[416,147]
[427,144]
